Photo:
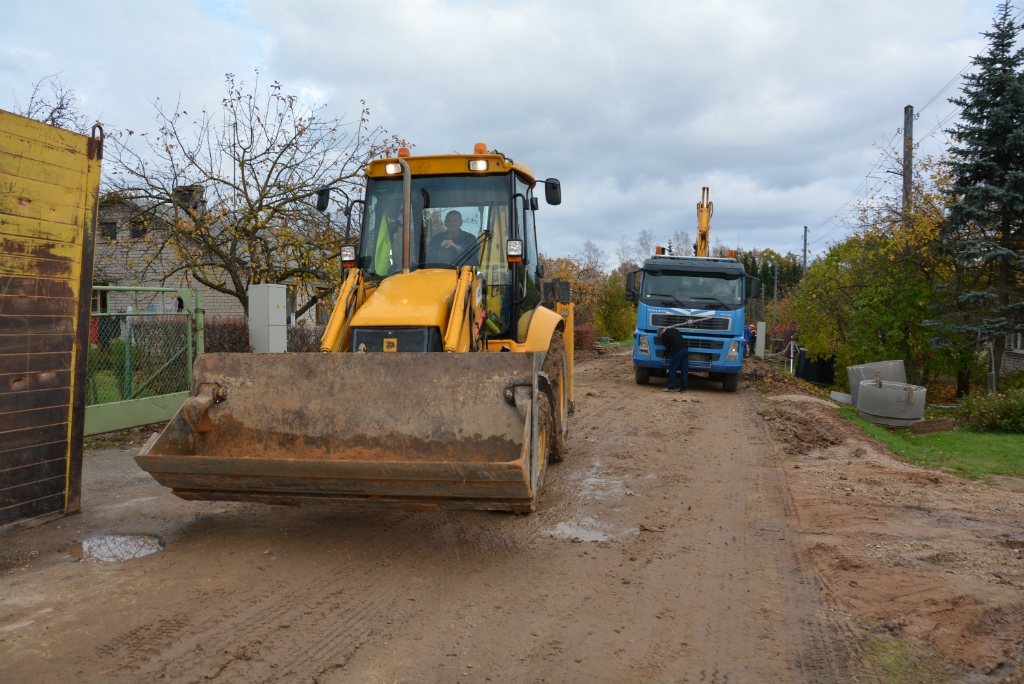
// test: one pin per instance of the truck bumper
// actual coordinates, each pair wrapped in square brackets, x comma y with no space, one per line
[701,360]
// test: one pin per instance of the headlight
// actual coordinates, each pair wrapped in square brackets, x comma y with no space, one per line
[348,256]
[643,346]
[392,168]
[478,165]
[514,249]
[734,351]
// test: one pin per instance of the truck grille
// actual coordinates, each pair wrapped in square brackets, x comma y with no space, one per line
[703,323]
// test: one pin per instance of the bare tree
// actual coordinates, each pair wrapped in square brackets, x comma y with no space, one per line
[719,249]
[54,103]
[645,243]
[626,251]
[229,201]
[593,257]
[682,243]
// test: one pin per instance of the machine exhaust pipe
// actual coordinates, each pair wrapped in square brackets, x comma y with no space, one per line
[406,201]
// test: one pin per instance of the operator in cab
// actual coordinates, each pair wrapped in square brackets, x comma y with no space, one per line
[678,350]
[450,246]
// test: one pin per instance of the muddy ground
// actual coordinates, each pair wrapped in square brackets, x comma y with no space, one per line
[700,537]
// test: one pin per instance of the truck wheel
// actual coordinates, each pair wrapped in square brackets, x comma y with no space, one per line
[556,368]
[643,375]
[731,382]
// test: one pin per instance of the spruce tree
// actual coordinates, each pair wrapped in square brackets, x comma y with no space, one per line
[986,227]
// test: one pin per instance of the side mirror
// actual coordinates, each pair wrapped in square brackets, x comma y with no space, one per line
[534,203]
[630,282]
[753,287]
[540,269]
[323,198]
[553,191]
[629,296]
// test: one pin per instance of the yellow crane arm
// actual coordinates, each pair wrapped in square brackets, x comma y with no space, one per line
[704,211]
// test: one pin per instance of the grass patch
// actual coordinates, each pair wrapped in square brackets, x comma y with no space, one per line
[962,452]
[895,661]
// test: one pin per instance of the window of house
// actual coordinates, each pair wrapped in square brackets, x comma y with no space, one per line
[139,229]
[99,300]
[108,229]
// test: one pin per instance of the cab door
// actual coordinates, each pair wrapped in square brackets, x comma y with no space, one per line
[527,291]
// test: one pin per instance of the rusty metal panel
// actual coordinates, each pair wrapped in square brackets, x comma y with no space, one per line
[49,192]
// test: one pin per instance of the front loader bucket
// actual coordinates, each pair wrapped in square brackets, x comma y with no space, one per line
[419,431]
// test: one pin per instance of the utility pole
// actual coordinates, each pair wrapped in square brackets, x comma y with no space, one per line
[805,248]
[908,160]
[775,298]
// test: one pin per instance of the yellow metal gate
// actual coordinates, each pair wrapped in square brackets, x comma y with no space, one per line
[49,187]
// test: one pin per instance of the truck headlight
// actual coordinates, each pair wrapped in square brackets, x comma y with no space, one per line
[643,346]
[348,256]
[734,351]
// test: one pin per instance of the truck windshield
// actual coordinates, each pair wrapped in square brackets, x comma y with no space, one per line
[449,215]
[693,290]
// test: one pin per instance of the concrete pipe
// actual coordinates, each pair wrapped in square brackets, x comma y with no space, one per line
[895,404]
[891,371]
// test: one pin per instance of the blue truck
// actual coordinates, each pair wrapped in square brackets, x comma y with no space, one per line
[704,298]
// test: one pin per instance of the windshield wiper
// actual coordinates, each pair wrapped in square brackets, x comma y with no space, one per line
[667,296]
[713,299]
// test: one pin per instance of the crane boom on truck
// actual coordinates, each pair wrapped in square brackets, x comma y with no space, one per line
[446,262]
[703,297]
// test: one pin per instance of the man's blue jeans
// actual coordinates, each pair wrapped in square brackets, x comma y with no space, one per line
[680,361]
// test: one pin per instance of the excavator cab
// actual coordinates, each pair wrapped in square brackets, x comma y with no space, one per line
[443,382]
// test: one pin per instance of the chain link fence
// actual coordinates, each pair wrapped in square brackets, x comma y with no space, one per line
[141,345]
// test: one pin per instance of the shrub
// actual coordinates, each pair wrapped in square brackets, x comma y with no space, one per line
[305,338]
[227,335]
[616,317]
[584,337]
[1013,381]
[995,413]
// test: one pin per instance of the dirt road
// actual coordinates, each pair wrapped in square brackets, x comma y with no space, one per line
[665,550]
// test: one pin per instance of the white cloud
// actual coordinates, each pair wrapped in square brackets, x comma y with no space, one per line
[634,106]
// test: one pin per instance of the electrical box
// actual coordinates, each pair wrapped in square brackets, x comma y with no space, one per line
[268,318]
[759,345]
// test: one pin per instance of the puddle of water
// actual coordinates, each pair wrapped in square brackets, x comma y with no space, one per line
[584,531]
[596,486]
[114,548]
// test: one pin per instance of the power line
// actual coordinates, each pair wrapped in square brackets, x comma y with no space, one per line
[853,195]
[881,157]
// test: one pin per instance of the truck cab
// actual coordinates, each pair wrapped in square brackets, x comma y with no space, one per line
[704,298]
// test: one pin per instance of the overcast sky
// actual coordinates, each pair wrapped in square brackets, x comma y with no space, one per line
[778,107]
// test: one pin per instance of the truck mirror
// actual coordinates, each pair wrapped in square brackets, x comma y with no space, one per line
[629,296]
[753,287]
[553,191]
[323,198]
[630,283]
[534,203]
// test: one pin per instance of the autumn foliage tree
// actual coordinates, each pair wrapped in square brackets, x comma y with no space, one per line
[227,198]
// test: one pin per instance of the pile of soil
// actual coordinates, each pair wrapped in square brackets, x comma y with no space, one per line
[915,555]
[802,427]
[766,378]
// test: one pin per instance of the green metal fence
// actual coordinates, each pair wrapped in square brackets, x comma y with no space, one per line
[143,341]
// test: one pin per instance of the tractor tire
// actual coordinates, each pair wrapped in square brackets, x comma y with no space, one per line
[556,368]
[643,375]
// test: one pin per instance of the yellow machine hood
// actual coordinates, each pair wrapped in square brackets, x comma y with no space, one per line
[418,298]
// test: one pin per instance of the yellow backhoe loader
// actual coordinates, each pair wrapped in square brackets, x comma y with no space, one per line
[446,377]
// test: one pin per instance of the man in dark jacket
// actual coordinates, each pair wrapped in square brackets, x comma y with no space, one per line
[679,360]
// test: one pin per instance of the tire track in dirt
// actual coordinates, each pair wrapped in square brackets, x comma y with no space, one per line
[690,572]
